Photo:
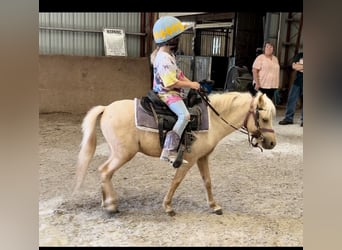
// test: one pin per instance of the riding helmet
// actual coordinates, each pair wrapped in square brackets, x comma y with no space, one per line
[167,28]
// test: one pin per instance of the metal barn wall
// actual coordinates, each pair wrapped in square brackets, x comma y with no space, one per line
[276,29]
[81,33]
[283,30]
[202,67]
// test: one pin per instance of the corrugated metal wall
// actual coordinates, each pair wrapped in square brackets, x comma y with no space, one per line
[185,42]
[81,33]
[202,67]
[277,27]
[213,43]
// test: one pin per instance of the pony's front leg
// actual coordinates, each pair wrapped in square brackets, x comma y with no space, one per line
[177,179]
[203,167]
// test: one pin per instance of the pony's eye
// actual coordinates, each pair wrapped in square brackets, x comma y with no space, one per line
[265,120]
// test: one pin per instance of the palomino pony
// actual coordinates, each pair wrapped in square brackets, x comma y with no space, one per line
[228,112]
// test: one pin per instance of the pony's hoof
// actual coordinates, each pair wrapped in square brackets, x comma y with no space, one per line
[111,212]
[171,213]
[111,209]
[218,211]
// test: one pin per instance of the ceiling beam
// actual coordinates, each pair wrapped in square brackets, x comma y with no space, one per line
[208,17]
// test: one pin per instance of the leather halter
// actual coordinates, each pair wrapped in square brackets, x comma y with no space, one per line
[259,132]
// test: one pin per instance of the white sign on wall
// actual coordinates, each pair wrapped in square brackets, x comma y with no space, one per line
[114,42]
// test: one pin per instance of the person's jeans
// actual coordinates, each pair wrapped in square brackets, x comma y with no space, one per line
[295,92]
[183,114]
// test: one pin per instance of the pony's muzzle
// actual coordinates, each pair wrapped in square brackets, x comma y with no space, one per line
[268,142]
[266,138]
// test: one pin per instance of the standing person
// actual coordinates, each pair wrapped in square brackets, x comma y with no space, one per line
[296,91]
[266,70]
[169,81]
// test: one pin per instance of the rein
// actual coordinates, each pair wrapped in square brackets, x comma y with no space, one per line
[243,129]
[205,97]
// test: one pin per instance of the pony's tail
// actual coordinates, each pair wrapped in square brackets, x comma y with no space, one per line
[88,144]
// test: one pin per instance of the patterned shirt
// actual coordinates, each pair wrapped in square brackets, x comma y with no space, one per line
[269,71]
[166,73]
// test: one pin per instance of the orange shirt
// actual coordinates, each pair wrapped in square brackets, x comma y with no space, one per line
[269,71]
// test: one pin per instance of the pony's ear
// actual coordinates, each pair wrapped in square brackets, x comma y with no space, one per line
[261,100]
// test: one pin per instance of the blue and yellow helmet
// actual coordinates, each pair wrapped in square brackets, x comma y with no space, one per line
[166,28]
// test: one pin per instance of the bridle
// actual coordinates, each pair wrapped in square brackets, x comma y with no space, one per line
[244,129]
[258,134]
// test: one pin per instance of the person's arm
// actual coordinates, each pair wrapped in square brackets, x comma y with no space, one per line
[173,78]
[186,83]
[298,66]
[185,78]
[256,78]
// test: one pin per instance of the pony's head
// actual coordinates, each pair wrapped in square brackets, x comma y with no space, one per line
[260,126]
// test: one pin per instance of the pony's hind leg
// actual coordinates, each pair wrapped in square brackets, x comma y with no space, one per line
[109,197]
[204,170]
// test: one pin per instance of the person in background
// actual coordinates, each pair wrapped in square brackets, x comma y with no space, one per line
[266,71]
[169,82]
[296,91]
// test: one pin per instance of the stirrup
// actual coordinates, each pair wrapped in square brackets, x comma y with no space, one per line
[172,159]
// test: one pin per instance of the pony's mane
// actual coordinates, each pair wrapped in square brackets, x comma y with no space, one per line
[223,101]
[269,105]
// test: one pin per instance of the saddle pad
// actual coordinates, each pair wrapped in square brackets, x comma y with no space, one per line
[145,121]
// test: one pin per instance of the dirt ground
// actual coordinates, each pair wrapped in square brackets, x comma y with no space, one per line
[261,194]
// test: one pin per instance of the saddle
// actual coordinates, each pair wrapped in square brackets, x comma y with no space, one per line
[166,118]
[151,112]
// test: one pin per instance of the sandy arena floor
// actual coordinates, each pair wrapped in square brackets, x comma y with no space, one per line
[261,194]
